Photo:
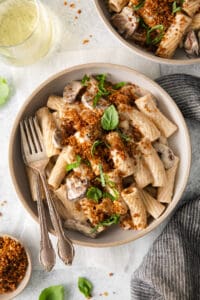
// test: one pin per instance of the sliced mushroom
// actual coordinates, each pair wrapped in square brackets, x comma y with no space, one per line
[166,154]
[88,96]
[57,139]
[76,187]
[126,22]
[191,44]
[71,91]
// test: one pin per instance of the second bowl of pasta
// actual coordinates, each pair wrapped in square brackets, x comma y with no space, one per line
[114,141]
[163,31]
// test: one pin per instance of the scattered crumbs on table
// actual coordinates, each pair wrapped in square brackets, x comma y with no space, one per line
[65,3]
[79,11]
[111,274]
[1,215]
[72,5]
[105,294]
[90,35]
[86,41]
[75,17]
[2,203]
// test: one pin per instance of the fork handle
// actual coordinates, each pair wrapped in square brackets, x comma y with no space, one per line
[47,253]
[65,246]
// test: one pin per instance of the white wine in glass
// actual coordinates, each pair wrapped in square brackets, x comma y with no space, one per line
[25,31]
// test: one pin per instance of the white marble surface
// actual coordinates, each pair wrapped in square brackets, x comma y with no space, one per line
[69,50]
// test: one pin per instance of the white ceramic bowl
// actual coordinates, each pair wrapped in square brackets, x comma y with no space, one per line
[180,143]
[25,280]
[180,57]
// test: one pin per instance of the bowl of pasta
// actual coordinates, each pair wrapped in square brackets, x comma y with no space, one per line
[118,148]
[163,31]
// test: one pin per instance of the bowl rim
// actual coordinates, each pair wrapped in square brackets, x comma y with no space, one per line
[142,53]
[28,273]
[173,204]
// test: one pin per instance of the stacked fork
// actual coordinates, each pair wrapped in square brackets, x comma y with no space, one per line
[34,156]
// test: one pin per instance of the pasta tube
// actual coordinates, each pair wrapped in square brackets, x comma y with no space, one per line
[173,36]
[165,192]
[122,161]
[48,127]
[59,170]
[147,105]
[117,5]
[154,208]
[191,7]
[132,198]
[153,162]
[140,121]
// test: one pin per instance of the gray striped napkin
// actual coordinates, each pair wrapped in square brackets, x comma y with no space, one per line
[171,268]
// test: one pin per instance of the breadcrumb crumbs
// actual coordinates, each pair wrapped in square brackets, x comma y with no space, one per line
[86,41]
[13,264]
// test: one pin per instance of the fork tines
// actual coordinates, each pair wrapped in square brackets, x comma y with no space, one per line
[31,136]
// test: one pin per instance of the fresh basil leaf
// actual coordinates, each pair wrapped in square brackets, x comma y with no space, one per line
[110,118]
[114,219]
[75,164]
[85,80]
[118,85]
[55,292]
[139,5]
[158,38]
[85,287]
[94,194]
[4,90]
[102,178]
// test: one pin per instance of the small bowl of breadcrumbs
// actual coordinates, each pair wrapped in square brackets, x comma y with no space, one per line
[15,267]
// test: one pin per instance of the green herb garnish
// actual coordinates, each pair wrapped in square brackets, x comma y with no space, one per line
[102,178]
[85,287]
[118,85]
[85,80]
[96,144]
[94,194]
[55,292]
[75,164]
[4,90]
[101,89]
[114,219]
[124,136]
[143,24]
[110,196]
[110,118]
[139,5]
[175,8]
[158,38]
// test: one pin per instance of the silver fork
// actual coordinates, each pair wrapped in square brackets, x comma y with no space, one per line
[35,157]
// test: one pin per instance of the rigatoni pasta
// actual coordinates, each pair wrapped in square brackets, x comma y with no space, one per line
[110,162]
[158,26]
